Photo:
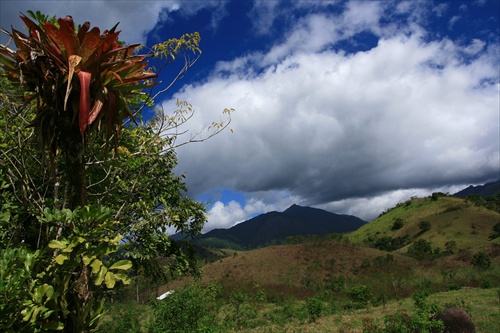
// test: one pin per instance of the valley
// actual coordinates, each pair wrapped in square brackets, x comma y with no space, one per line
[437,251]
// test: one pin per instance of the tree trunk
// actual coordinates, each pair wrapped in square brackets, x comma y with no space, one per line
[74,158]
[75,195]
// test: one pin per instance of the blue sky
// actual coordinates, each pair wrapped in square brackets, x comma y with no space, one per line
[349,106]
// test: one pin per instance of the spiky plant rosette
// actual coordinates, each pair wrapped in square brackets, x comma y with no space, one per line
[76,75]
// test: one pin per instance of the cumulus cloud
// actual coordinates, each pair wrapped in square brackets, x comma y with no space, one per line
[226,215]
[331,128]
[137,18]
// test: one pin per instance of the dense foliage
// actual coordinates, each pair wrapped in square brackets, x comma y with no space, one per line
[87,198]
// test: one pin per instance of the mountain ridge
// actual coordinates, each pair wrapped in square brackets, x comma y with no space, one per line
[487,190]
[274,227]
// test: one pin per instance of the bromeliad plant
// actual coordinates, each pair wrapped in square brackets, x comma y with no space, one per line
[99,75]
[81,80]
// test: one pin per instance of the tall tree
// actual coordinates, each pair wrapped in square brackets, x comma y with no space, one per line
[85,212]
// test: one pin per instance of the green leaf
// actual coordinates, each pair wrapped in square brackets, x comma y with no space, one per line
[123,277]
[55,244]
[61,258]
[110,280]
[96,266]
[100,276]
[116,240]
[49,292]
[122,264]
[87,259]
[5,217]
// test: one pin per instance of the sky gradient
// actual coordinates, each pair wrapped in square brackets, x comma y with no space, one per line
[348,106]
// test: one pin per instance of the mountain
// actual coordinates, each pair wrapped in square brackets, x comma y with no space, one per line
[275,227]
[486,190]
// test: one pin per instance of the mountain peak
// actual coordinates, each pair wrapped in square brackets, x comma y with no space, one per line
[275,227]
[293,207]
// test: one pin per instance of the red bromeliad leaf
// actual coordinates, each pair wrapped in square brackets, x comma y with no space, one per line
[84,109]
[69,37]
[69,20]
[90,43]
[96,109]
[83,31]
[53,33]
[29,23]
[110,42]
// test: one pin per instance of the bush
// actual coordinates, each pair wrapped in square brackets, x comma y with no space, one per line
[424,226]
[315,308]
[398,224]
[496,231]
[416,322]
[360,294]
[420,249]
[124,318]
[336,283]
[190,309]
[481,261]
[239,311]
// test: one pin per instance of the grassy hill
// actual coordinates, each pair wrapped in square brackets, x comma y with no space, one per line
[451,219]
[298,270]
[303,269]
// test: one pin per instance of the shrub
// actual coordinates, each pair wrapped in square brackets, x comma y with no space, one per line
[239,310]
[450,247]
[336,283]
[416,322]
[189,309]
[124,318]
[398,224]
[315,308]
[496,231]
[420,249]
[424,226]
[481,261]
[360,294]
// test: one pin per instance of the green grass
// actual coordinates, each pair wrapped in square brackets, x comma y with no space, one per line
[483,305]
[451,219]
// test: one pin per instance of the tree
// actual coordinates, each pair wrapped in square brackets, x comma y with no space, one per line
[424,226]
[82,212]
[481,260]
[398,224]
[420,249]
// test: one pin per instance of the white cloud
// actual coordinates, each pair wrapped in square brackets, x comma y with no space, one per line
[226,215]
[369,208]
[137,17]
[325,126]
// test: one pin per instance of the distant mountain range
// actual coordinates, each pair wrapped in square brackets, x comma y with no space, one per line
[275,227]
[486,190]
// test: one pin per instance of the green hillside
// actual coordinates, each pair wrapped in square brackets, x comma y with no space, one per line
[342,283]
[450,220]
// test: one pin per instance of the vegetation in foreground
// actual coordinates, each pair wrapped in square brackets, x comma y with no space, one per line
[79,212]
[197,308]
